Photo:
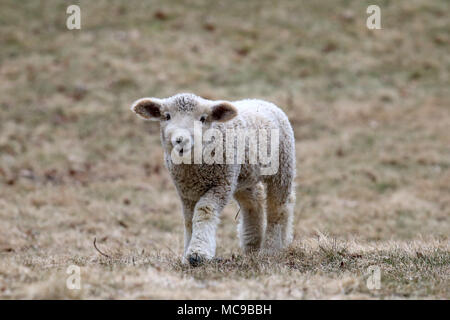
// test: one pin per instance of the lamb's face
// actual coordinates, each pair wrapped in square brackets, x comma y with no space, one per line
[181,115]
[179,124]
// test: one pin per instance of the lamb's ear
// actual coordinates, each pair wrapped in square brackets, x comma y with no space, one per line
[223,111]
[148,108]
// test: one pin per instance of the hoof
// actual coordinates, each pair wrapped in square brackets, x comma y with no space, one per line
[195,260]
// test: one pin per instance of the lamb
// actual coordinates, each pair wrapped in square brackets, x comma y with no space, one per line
[266,200]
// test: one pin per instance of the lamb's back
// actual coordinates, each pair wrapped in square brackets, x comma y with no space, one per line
[257,114]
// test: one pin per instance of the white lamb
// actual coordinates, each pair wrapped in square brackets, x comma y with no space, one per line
[266,200]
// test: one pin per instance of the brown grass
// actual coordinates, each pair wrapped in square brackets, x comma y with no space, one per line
[370,110]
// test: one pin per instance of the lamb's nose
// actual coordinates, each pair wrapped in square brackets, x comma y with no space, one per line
[179,139]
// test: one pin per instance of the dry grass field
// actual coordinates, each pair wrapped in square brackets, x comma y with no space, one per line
[370,110]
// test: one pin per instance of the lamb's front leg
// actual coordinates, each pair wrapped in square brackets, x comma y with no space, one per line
[188,212]
[204,224]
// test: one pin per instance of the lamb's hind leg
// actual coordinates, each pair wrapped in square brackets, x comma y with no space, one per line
[280,197]
[280,215]
[251,222]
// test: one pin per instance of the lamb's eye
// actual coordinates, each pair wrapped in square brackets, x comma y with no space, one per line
[202,119]
[167,116]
